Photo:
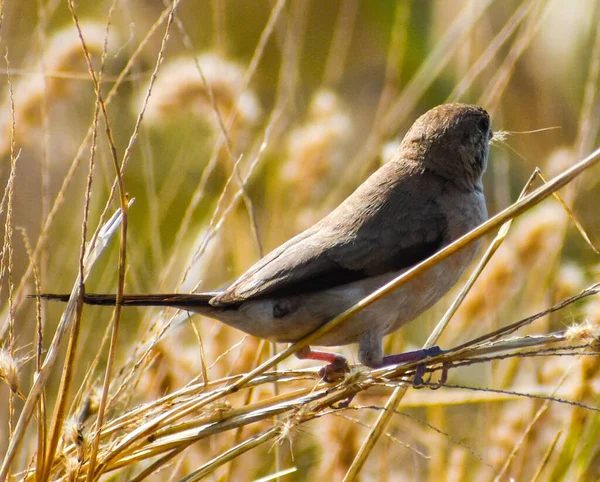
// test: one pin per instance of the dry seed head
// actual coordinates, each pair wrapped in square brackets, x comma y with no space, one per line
[73,432]
[179,87]
[9,370]
[285,428]
[63,54]
[29,98]
[499,137]
[314,150]
[584,332]
[316,154]
[589,332]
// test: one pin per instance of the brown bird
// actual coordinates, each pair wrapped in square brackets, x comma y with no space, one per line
[428,195]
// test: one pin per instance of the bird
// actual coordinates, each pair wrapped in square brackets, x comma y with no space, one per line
[426,196]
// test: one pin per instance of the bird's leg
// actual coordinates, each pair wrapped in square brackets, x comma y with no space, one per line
[337,364]
[411,357]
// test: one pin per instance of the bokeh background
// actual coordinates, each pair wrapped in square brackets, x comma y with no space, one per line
[314,96]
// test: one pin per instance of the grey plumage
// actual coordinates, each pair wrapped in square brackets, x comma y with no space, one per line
[427,196]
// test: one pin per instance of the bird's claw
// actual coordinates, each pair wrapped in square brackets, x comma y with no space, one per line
[344,403]
[419,383]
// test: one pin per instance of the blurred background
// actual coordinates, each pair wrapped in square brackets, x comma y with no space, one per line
[314,96]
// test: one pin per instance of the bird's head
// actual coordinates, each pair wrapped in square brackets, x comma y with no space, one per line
[452,141]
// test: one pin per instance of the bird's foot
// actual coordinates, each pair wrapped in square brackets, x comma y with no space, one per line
[418,381]
[344,403]
[414,356]
[337,365]
[443,379]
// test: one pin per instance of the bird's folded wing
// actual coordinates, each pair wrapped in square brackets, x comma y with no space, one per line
[319,258]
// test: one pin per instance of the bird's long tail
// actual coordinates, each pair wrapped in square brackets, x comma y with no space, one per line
[180,300]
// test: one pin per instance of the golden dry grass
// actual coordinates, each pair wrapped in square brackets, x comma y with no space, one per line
[104,102]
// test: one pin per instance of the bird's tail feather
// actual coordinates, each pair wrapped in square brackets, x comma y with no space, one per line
[180,300]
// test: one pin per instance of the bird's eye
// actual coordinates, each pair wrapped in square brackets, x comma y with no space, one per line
[483,125]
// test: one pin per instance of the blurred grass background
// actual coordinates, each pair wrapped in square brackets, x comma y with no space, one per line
[313,102]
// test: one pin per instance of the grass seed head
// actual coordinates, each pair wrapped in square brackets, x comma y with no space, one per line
[180,87]
[9,370]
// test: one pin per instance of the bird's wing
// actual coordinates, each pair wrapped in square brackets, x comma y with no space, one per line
[355,241]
